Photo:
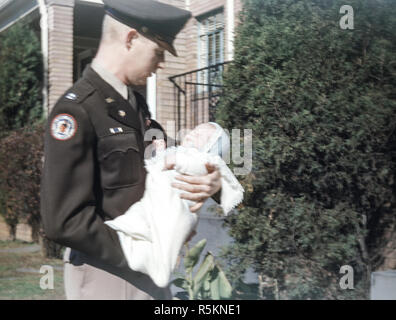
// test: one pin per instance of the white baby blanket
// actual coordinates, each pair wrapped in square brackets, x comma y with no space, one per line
[153,230]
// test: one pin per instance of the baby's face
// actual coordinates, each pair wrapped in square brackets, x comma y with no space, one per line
[198,137]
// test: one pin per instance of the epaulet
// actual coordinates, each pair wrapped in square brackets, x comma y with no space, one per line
[79,92]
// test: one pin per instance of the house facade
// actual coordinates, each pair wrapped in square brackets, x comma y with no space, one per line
[70,31]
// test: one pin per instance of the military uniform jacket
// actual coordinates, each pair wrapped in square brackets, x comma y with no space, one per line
[93,168]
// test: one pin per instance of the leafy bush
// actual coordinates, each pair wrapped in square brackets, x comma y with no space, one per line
[321,103]
[20,78]
[21,133]
[21,162]
[20,172]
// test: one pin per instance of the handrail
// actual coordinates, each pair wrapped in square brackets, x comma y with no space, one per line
[191,102]
[198,70]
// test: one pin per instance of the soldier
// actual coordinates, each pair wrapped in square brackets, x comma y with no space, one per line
[94,168]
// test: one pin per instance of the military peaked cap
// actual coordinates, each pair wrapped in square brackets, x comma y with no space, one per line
[157,21]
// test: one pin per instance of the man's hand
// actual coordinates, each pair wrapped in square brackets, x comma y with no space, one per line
[200,188]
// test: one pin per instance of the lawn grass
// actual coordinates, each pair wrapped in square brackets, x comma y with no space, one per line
[14,244]
[26,285]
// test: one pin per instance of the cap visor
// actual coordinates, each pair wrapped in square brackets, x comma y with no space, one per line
[167,46]
[163,44]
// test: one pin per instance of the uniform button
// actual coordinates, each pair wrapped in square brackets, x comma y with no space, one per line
[122,113]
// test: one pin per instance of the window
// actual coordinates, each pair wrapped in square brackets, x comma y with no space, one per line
[211,39]
[210,50]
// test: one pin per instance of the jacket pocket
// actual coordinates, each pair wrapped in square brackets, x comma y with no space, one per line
[120,161]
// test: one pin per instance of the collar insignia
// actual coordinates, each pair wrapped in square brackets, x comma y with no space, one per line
[71,96]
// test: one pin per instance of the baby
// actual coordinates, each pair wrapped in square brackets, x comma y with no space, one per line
[154,229]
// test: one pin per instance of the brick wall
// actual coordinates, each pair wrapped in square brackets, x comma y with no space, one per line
[4,232]
[23,232]
[60,48]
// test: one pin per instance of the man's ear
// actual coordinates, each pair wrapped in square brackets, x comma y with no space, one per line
[131,36]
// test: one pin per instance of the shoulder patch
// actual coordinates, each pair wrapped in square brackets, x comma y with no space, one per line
[63,127]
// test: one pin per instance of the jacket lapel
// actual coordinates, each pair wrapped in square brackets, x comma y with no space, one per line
[117,107]
[122,111]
